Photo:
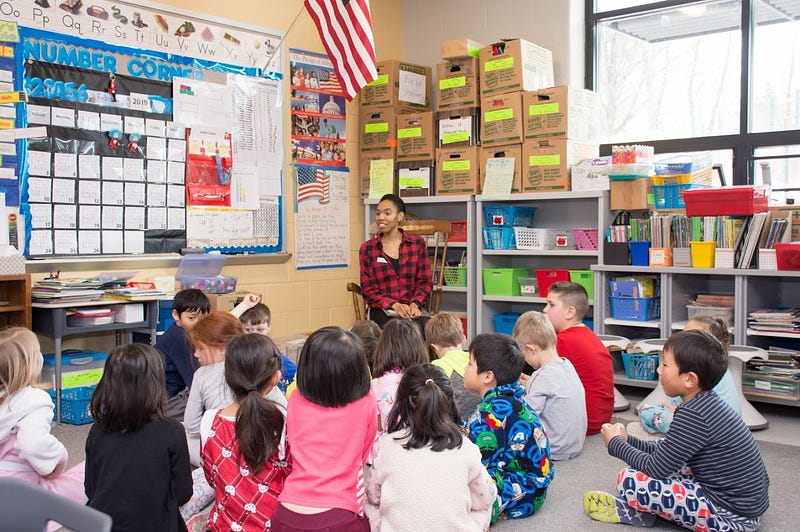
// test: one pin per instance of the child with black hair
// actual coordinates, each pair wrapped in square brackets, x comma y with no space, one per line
[137,461]
[707,473]
[369,332]
[242,444]
[258,320]
[330,426]
[508,432]
[188,306]
[427,475]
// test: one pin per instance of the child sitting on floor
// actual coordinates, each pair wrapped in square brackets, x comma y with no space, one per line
[707,473]
[258,319]
[554,390]
[508,432]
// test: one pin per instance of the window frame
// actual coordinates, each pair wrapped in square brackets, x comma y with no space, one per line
[743,144]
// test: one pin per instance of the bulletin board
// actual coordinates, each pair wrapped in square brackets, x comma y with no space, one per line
[162,135]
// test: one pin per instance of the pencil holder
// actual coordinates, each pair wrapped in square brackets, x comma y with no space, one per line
[615,253]
[640,253]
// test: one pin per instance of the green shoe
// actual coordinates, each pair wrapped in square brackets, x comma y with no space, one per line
[601,506]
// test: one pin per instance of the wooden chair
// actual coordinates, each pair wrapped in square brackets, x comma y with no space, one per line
[439,231]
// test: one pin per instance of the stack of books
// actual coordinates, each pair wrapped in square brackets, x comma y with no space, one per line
[133,294]
[57,290]
[783,319]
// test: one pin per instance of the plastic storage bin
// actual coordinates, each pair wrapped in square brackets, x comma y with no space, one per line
[683,164]
[87,319]
[78,368]
[640,252]
[640,366]
[585,237]
[498,237]
[703,254]
[203,273]
[635,308]
[503,281]
[508,215]
[455,275]
[670,196]
[528,286]
[585,278]
[788,256]
[726,313]
[75,404]
[504,322]
[541,238]
[458,231]
[547,277]
[740,200]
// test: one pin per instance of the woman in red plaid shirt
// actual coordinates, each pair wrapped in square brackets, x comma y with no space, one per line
[395,270]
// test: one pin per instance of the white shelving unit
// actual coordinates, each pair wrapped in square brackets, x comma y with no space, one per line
[558,210]
[454,298]
[752,289]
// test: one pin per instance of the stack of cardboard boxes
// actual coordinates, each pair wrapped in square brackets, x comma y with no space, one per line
[396,121]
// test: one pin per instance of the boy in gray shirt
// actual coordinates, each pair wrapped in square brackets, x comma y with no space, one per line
[554,390]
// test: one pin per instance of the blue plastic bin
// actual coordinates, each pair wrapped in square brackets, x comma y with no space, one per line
[504,322]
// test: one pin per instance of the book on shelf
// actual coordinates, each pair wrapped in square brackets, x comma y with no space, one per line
[714,300]
[752,236]
[133,294]
[778,313]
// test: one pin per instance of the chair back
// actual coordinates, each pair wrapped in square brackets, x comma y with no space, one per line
[359,307]
[437,232]
[26,507]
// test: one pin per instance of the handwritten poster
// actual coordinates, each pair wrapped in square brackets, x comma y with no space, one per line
[322,219]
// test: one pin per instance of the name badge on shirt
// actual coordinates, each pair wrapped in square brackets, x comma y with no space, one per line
[381,260]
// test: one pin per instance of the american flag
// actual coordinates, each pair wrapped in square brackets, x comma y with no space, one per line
[345,29]
[331,84]
[312,182]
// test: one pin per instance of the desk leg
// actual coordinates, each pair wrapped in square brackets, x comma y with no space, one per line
[57,341]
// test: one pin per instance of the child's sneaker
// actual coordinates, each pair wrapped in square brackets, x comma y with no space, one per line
[606,508]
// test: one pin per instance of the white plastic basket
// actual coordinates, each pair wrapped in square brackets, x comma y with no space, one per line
[542,238]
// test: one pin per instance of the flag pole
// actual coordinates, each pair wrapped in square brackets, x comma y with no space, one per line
[283,38]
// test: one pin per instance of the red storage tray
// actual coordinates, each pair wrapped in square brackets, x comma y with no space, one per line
[740,200]
[788,256]
[545,278]
[458,231]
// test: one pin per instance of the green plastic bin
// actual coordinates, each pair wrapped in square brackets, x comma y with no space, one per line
[585,278]
[503,281]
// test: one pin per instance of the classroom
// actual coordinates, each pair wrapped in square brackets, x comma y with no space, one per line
[643,151]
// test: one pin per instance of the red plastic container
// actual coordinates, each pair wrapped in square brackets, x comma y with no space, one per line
[740,200]
[788,256]
[547,277]
[458,231]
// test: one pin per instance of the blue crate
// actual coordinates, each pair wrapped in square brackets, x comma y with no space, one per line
[640,366]
[499,238]
[504,322]
[670,196]
[75,404]
[508,216]
[635,308]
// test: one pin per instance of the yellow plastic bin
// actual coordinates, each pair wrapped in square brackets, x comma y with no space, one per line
[703,254]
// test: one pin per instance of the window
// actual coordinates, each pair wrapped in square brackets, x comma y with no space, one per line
[671,73]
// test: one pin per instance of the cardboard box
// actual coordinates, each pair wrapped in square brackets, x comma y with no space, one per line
[378,129]
[591,174]
[501,119]
[415,178]
[515,65]
[459,127]
[416,136]
[508,150]
[405,86]
[631,195]
[366,162]
[546,163]
[457,171]
[457,84]
[130,313]
[460,49]
[563,111]
[223,302]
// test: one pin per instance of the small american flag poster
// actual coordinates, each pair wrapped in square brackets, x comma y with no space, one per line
[313,183]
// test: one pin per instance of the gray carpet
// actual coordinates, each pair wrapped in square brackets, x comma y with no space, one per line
[593,469]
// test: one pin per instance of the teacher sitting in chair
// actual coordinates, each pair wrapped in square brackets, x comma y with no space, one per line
[395,270]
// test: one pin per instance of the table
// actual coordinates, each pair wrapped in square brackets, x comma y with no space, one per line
[50,319]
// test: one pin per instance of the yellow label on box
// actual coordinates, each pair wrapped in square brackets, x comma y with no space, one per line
[416,182]
[409,132]
[81,378]
[498,64]
[13,97]
[452,83]
[383,79]
[544,160]
[450,138]
[449,166]
[500,114]
[377,127]
[544,109]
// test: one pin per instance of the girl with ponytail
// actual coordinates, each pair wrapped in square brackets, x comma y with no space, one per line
[243,444]
[427,475]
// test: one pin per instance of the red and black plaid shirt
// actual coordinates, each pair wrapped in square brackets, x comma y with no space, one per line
[382,286]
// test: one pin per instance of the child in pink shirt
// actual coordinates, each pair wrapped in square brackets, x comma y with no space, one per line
[330,427]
